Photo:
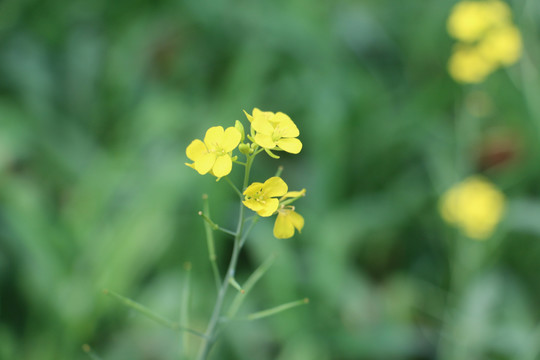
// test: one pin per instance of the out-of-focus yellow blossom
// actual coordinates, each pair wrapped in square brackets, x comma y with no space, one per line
[214,154]
[502,45]
[475,206]
[287,220]
[467,65]
[488,39]
[262,197]
[275,131]
[470,20]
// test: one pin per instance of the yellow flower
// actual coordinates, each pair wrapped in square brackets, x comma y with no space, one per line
[469,20]
[502,45]
[475,206]
[214,154]
[275,131]
[261,198]
[287,220]
[467,65]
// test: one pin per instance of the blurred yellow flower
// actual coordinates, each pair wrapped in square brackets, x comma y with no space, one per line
[475,206]
[467,65]
[214,154]
[275,130]
[287,220]
[502,45]
[262,198]
[469,20]
[487,39]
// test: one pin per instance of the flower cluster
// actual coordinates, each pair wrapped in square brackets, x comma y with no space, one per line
[269,132]
[487,39]
[475,206]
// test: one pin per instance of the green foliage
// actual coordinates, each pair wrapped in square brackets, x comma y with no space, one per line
[99,99]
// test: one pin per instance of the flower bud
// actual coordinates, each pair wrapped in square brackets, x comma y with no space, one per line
[245,149]
[238,125]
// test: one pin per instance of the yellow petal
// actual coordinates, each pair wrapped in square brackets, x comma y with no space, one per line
[214,137]
[196,149]
[297,220]
[290,145]
[249,117]
[222,166]
[205,163]
[266,115]
[262,126]
[283,228]
[275,186]
[286,126]
[269,207]
[231,139]
[264,140]
[253,189]
[293,194]
[253,204]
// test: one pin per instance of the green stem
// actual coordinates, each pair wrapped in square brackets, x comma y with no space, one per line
[150,314]
[234,187]
[209,339]
[210,241]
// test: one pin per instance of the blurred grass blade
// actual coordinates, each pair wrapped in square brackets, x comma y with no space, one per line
[150,314]
[210,243]
[184,309]
[248,285]
[277,309]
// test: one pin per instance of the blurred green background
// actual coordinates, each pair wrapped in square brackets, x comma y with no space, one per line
[99,99]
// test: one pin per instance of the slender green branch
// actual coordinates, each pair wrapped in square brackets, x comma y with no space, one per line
[248,230]
[234,187]
[184,308]
[150,314]
[277,309]
[239,162]
[279,171]
[236,285]
[214,226]
[249,284]
[216,313]
[210,241]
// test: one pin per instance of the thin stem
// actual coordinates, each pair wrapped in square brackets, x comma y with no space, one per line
[216,313]
[184,308]
[248,230]
[210,241]
[277,309]
[214,226]
[234,187]
[150,314]
[248,285]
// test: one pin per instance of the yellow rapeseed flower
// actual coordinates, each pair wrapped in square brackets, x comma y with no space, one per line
[487,39]
[262,197]
[502,45]
[275,131]
[467,65]
[214,154]
[287,220]
[475,206]
[469,20]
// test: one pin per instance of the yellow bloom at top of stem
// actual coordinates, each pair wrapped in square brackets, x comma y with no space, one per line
[287,220]
[262,197]
[475,206]
[469,20]
[502,45]
[275,131]
[214,154]
[467,65]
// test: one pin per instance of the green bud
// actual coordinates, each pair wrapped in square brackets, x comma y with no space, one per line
[245,149]
[238,125]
